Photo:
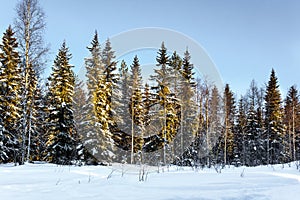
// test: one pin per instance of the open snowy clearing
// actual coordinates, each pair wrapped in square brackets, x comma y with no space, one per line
[47,181]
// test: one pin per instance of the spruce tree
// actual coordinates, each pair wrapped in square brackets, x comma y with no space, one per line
[123,108]
[136,104]
[79,107]
[162,91]
[61,144]
[229,112]
[112,91]
[167,106]
[102,110]
[111,75]
[239,134]
[176,72]
[188,104]
[38,126]
[10,101]
[94,72]
[162,75]
[80,118]
[273,134]
[215,125]
[175,80]
[253,146]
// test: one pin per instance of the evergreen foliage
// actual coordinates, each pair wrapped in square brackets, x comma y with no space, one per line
[62,139]
[10,99]
[94,72]
[136,107]
[173,121]
[274,130]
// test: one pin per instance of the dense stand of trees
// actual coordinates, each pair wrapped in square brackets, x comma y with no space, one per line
[175,118]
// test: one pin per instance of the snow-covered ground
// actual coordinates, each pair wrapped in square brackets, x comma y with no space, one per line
[47,181]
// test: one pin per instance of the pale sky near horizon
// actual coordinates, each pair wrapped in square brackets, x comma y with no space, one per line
[245,39]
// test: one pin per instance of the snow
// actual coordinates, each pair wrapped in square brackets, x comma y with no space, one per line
[47,181]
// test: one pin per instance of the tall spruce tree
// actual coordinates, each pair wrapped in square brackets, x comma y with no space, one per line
[124,86]
[111,75]
[62,143]
[188,104]
[176,72]
[229,113]
[10,99]
[254,145]
[162,91]
[94,73]
[79,107]
[102,110]
[36,149]
[215,125]
[80,118]
[167,104]
[273,135]
[175,80]
[239,133]
[111,78]
[136,104]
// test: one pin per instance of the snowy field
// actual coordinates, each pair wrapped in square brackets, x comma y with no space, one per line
[46,181]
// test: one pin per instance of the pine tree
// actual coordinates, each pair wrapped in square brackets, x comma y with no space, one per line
[273,135]
[62,143]
[10,78]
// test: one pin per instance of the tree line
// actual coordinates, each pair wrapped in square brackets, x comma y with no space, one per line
[174,118]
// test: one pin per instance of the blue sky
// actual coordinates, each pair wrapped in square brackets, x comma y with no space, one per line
[245,39]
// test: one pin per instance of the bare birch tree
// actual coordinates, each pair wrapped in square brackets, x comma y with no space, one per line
[30,26]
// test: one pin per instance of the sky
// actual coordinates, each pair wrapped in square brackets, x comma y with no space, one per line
[244,39]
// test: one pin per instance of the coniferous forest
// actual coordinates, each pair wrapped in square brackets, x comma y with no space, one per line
[115,116]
